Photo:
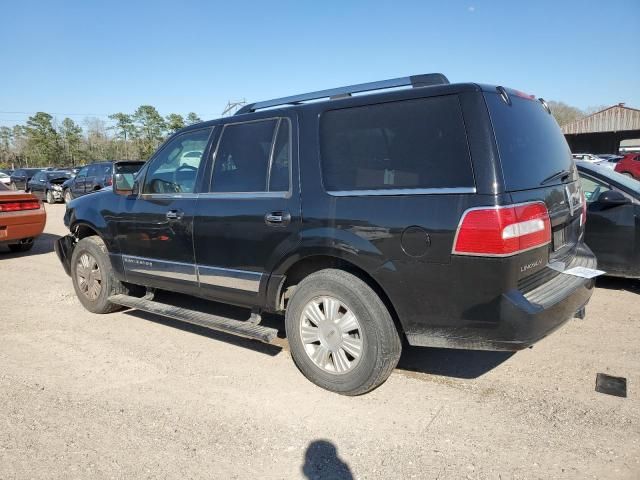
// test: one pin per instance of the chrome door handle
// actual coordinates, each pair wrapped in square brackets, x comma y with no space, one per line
[277,218]
[174,215]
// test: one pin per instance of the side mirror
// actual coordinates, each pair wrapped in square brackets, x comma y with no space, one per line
[124,178]
[612,198]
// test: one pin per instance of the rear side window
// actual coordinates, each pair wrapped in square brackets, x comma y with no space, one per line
[531,145]
[253,157]
[411,144]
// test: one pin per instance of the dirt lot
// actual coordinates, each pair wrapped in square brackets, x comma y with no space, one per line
[129,395]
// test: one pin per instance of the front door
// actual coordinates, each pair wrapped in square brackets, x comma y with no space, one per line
[610,232]
[155,228]
[77,186]
[250,217]
[37,183]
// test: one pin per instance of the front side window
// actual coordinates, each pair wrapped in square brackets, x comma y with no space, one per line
[411,144]
[253,157]
[83,172]
[169,172]
[592,188]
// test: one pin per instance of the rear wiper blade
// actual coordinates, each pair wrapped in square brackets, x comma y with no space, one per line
[562,174]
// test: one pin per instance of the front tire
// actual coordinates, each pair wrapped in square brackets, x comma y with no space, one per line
[49,198]
[341,335]
[68,196]
[92,276]
[13,186]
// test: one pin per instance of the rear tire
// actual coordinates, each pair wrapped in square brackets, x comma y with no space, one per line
[340,333]
[92,276]
[21,247]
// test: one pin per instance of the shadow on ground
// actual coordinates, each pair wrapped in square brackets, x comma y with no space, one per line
[449,362]
[434,361]
[321,462]
[42,245]
[617,283]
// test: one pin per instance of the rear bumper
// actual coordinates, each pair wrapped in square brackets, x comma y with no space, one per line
[20,226]
[518,320]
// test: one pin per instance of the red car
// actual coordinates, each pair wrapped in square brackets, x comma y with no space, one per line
[22,219]
[630,165]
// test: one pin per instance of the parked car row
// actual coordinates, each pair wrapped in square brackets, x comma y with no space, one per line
[62,184]
[627,164]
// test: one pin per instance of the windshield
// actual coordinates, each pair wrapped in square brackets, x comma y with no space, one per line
[530,142]
[51,176]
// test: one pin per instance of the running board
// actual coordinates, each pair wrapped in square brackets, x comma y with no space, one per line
[214,322]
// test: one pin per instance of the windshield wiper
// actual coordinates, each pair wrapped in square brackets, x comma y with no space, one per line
[562,175]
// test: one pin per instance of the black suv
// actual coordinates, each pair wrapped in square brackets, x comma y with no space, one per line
[442,214]
[20,177]
[89,179]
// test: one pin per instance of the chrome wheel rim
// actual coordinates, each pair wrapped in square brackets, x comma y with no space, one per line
[331,335]
[89,276]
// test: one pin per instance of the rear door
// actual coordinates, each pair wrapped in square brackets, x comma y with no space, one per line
[537,165]
[250,217]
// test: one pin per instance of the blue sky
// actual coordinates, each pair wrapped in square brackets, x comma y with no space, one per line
[95,58]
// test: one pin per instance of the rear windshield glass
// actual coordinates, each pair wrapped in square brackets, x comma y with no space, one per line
[530,142]
[411,144]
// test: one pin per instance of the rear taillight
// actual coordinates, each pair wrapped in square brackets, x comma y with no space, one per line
[108,181]
[19,205]
[503,231]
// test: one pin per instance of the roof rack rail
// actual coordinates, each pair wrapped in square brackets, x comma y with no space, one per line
[341,92]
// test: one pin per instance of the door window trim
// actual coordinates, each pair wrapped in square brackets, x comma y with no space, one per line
[149,164]
[263,194]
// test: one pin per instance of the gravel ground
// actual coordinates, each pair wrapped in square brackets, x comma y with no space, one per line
[130,395]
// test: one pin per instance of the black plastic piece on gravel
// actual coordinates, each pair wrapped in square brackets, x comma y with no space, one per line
[616,386]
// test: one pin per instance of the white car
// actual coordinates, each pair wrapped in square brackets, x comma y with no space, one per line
[191,159]
[5,179]
[587,157]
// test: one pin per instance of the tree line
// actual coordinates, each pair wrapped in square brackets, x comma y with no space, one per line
[44,142]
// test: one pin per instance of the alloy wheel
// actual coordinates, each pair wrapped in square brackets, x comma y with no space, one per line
[89,276]
[331,334]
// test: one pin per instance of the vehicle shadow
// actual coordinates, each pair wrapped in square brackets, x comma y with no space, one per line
[619,283]
[205,306]
[465,364]
[42,245]
[448,362]
[321,462]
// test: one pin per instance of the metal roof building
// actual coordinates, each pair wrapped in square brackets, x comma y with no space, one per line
[603,131]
